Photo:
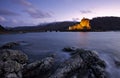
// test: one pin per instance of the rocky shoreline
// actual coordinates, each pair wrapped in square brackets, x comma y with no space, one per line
[81,64]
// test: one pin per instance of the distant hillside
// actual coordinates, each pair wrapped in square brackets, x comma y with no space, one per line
[2,28]
[105,23]
[97,24]
[60,26]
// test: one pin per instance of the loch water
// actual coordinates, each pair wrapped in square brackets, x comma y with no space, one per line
[42,44]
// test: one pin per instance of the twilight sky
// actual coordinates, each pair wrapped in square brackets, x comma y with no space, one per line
[33,12]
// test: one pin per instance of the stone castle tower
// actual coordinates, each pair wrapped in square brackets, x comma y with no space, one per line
[84,24]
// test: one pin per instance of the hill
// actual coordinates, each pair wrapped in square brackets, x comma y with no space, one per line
[105,23]
[2,28]
[97,24]
[55,26]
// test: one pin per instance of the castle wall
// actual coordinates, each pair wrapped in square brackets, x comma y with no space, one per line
[85,23]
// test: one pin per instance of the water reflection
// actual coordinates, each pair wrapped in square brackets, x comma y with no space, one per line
[106,43]
[84,38]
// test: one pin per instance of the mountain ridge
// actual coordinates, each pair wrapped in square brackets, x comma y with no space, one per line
[97,24]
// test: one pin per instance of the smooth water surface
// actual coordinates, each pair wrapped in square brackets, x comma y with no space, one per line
[39,45]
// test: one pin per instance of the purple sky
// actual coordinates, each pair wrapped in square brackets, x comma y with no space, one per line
[33,12]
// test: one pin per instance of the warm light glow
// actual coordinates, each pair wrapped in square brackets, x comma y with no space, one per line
[84,24]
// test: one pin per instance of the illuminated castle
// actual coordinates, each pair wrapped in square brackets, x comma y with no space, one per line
[84,24]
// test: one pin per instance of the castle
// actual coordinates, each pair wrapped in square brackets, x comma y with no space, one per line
[84,24]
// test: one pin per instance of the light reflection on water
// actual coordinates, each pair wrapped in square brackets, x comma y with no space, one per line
[103,42]
[40,45]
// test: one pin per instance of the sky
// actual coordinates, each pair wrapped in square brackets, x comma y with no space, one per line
[33,12]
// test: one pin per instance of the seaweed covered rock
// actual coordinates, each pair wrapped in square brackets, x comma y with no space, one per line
[11,63]
[82,64]
[9,45]
[68,68]
[94,66]
[15,55]
[69,49]
[39,69]
[12,69]
[1,67]
[117,62]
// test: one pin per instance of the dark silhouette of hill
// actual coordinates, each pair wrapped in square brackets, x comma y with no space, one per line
[2,28]
[97,24]
[105,23]
[55,26]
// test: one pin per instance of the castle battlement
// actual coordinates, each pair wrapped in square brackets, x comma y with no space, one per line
[84,24]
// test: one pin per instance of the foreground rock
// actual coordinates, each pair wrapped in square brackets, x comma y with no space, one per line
[9,45]
[39,69]
[14,55]
[68,68]
[69,49]
[82,64]
[13,64]
[12,69]
[95,65]
[117,62]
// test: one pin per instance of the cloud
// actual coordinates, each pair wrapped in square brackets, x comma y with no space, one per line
[7,12]
[15,21]
[2,19]
[75,19]
[85,11]
[23,3]
[35,13]
[32,10]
